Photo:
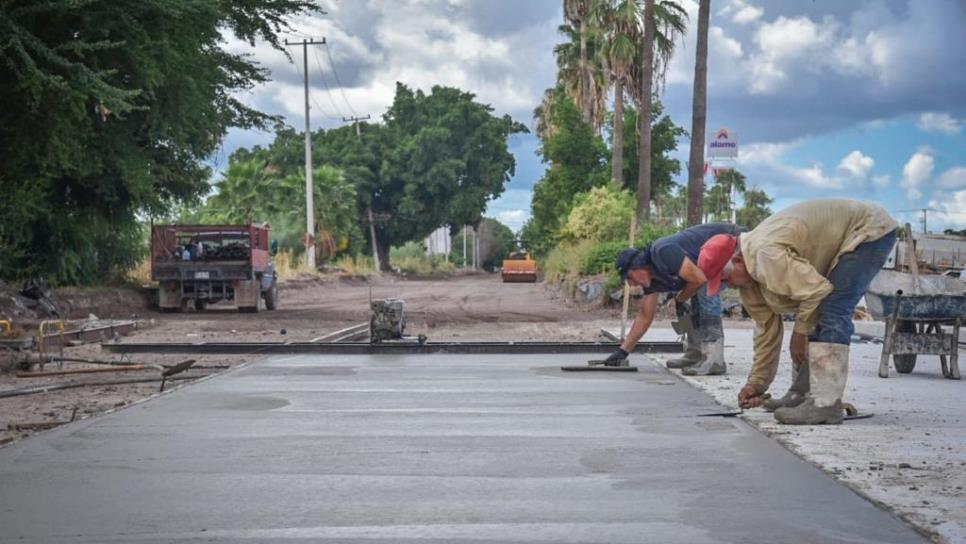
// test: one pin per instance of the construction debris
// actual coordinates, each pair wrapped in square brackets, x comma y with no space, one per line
[386,320]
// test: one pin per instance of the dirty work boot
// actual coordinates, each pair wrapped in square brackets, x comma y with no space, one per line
[692,353]
[796,393]
[829,368]
[712,360]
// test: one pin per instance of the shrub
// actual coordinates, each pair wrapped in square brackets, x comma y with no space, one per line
[601,257]
[603,213]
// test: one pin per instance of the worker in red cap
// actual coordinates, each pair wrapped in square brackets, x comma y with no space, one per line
[816,260]
[669,265]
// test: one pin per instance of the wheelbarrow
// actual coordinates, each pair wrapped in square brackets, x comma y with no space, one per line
[915,309]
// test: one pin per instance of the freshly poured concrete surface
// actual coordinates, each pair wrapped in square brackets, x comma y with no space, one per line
[438,448]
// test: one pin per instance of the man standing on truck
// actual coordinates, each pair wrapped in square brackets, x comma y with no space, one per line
[669,265]
[816,260]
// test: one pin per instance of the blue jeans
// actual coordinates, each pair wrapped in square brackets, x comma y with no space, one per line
[850,280]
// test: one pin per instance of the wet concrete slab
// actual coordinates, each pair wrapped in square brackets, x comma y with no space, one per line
[429,448]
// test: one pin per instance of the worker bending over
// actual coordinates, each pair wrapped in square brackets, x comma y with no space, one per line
[669,265]
[816,260]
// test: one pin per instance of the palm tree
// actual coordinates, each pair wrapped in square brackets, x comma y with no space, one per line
[590,100]
[664,20]
[576,12]
[699,117]
[620,24]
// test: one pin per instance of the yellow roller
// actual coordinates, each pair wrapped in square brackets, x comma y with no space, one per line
[520,267]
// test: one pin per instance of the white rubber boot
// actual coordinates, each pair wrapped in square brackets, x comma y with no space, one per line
[712,363]
[796,393]
[692,353]
[829,369]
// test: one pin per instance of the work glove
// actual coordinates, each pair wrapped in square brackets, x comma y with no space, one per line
[683,309]
[617,358]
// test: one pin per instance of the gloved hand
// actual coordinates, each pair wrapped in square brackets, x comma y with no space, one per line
[617,358]
[683,309]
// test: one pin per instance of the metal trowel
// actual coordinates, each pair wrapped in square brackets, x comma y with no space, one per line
[598,365]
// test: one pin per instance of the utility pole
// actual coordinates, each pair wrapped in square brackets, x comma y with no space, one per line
[372,226]
[309,204]
[924,212]
[355,120]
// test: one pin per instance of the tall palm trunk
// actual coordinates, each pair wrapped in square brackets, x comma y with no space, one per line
[699,118]
[644,117]
[617,157]
[584,72]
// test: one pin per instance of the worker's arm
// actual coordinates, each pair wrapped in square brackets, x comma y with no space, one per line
[768,342]
[693,277]
[642,322]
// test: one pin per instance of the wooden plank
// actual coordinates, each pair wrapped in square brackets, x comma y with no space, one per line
[124,368]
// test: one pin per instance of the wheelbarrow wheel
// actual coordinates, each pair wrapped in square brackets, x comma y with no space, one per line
[906,362]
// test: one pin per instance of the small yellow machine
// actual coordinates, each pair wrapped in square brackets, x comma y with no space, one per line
[519,266]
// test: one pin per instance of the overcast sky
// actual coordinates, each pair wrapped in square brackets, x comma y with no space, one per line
[829,98]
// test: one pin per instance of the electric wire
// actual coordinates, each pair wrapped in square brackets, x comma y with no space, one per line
[338,81]
[325,83]
[312,96]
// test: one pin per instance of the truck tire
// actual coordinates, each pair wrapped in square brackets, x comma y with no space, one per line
[271,296]
[905,363]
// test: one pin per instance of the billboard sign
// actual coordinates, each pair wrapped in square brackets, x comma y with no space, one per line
[723,145]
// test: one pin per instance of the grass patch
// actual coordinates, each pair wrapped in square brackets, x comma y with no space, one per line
[424,266]
[359,265]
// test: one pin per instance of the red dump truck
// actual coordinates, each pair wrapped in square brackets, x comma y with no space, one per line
[196,265]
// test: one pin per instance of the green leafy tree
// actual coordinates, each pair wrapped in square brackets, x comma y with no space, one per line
[718,201]
[577,162]
[755,208]
[251,190]
[664,141]
[437,159]
[110,109]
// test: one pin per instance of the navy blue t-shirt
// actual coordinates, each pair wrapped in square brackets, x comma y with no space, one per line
[668,253]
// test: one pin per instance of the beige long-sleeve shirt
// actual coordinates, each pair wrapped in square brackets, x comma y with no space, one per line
[789,256]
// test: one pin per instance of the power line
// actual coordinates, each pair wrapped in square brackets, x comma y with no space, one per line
[338,82]
[318,106]
[328,91]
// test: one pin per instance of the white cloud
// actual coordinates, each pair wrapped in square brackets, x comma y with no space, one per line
[881,181]
[954,178]
[916,172]
[856,164]
[741,12]
[938,122]
[513,218]
[748,14]
[949,211]
[765,160]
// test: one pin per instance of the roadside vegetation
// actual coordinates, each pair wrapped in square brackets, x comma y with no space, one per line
[603,115]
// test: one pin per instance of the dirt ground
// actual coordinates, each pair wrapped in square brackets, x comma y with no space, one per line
[463,307]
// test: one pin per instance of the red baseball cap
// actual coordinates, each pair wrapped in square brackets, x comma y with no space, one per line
[715,254]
